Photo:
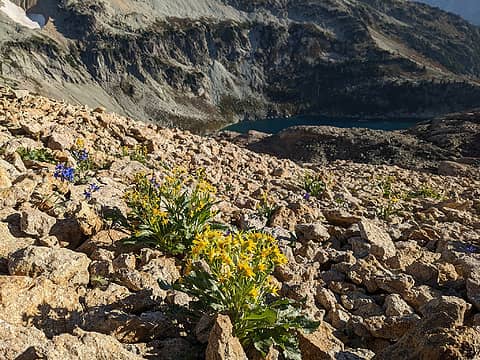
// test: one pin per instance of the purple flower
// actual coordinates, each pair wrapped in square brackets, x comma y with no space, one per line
[306,196]
[81,155]
[471,248]
[64,173]
[94,187]
[90,190]
[154,182]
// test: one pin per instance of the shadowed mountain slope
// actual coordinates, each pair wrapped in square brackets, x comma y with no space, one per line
[200,64]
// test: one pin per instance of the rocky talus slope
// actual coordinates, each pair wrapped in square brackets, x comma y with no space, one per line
[389,276]
[201,63]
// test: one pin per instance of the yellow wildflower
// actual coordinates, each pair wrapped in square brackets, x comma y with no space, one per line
[204,186]
[246,269]
[257,236]
[226,274]
[272,286]
[265,252]
[237,240]
[251,245]
[226,259]
[212,254]
[279,257]
[270,239]
[261,267]
[273,289]
[199,246]
[254,292]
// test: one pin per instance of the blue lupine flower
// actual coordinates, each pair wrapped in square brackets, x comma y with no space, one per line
[81,155]
[90,190]
[64,173]
[306,196]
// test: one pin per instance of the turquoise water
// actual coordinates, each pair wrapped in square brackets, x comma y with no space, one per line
[275,125]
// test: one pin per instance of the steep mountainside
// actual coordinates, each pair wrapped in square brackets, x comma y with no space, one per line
[199,64]
[468,9]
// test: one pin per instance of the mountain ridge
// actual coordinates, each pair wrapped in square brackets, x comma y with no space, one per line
[247,59]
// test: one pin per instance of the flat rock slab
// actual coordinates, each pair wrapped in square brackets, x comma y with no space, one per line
[61,266]
[381,244]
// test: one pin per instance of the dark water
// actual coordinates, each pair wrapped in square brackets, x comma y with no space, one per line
[275,125]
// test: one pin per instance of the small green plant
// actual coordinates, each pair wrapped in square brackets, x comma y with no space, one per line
[58,193]
[171,213]
[313,185]
[42,155]
[386,186]
[57,198]
[85,167]
[266,207]
[426,191]
[389,204]
[137,153]
[99,281]
[231,273]
[388,208]
[228,187]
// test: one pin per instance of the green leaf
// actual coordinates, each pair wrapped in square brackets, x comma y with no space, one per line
[268,315]
[292,353]
[263,345]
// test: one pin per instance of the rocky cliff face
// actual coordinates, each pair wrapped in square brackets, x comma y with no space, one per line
[198,64]
[387,259]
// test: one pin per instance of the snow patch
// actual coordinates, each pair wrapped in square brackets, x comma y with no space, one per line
[17,14]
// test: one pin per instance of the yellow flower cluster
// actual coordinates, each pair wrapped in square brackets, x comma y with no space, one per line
[204,186]
[146,202]
[242,263]
[171,211]
[394,200]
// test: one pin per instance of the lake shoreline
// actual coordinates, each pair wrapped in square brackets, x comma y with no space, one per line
[275,125]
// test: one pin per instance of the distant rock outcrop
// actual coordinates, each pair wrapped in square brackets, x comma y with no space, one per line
[431,145]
